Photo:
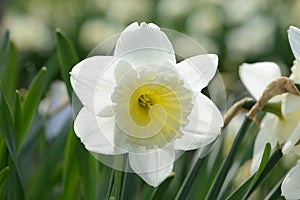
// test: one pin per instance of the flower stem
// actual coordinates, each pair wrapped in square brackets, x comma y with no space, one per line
[189,180]
[110,184]
[227,163]
[123,178]
[119,177]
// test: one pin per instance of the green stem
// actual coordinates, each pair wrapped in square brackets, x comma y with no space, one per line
[123,179]
[189,180]
[119,176]
[110,184]
[227,163]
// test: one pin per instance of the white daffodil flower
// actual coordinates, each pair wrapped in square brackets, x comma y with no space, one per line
[290,187]
[274,130]
[141,102]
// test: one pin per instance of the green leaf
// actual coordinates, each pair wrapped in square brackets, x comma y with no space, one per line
[4,46]
[7,130]
[245,189]
[3,153]
[3,182]
[49,162]
[7,126]
[89,171]
[52,68]
[120,162]
[31,101]
[67,57]
[3,175]
[241,191]
[9,73]
[18,117]
[71,167]
[262,166]
[110,184]
[273,160]
[275,193]
[189,180]
[227,163]
[161,189]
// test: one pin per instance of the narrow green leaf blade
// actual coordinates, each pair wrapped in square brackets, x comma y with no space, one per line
[67,57]
[9,73]
[3,175]
[227,163]
[51,158]
[18,117]
[71,167]
[240,192]
[4,46]
[89,171]
[262,165]
[3,182]
[31,101]
[7,130]
[7,126]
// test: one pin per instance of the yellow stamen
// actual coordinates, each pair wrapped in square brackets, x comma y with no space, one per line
[145,101]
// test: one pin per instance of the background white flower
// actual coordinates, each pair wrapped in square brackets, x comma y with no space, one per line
[140,102]
[56,109]
[256,77]
[290,187]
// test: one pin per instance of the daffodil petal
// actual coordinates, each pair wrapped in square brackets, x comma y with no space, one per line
[290,187]
[122,69]
[268,133]
[144,44]
[292,140]
[290,104]
[294,39]
[205,123]
[107,111]
[197,71]
[256,77]
[93,81]
[153,166]
[97,133]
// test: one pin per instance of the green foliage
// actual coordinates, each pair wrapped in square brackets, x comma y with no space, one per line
[31,101]
[67,57]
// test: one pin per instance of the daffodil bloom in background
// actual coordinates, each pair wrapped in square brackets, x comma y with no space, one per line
[56,109]
[290,187]
[141,102]
[275,130]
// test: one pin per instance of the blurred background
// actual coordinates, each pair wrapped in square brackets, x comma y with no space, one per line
[236,30]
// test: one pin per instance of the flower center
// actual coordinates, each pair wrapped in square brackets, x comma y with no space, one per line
[145,101]
[150,107]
